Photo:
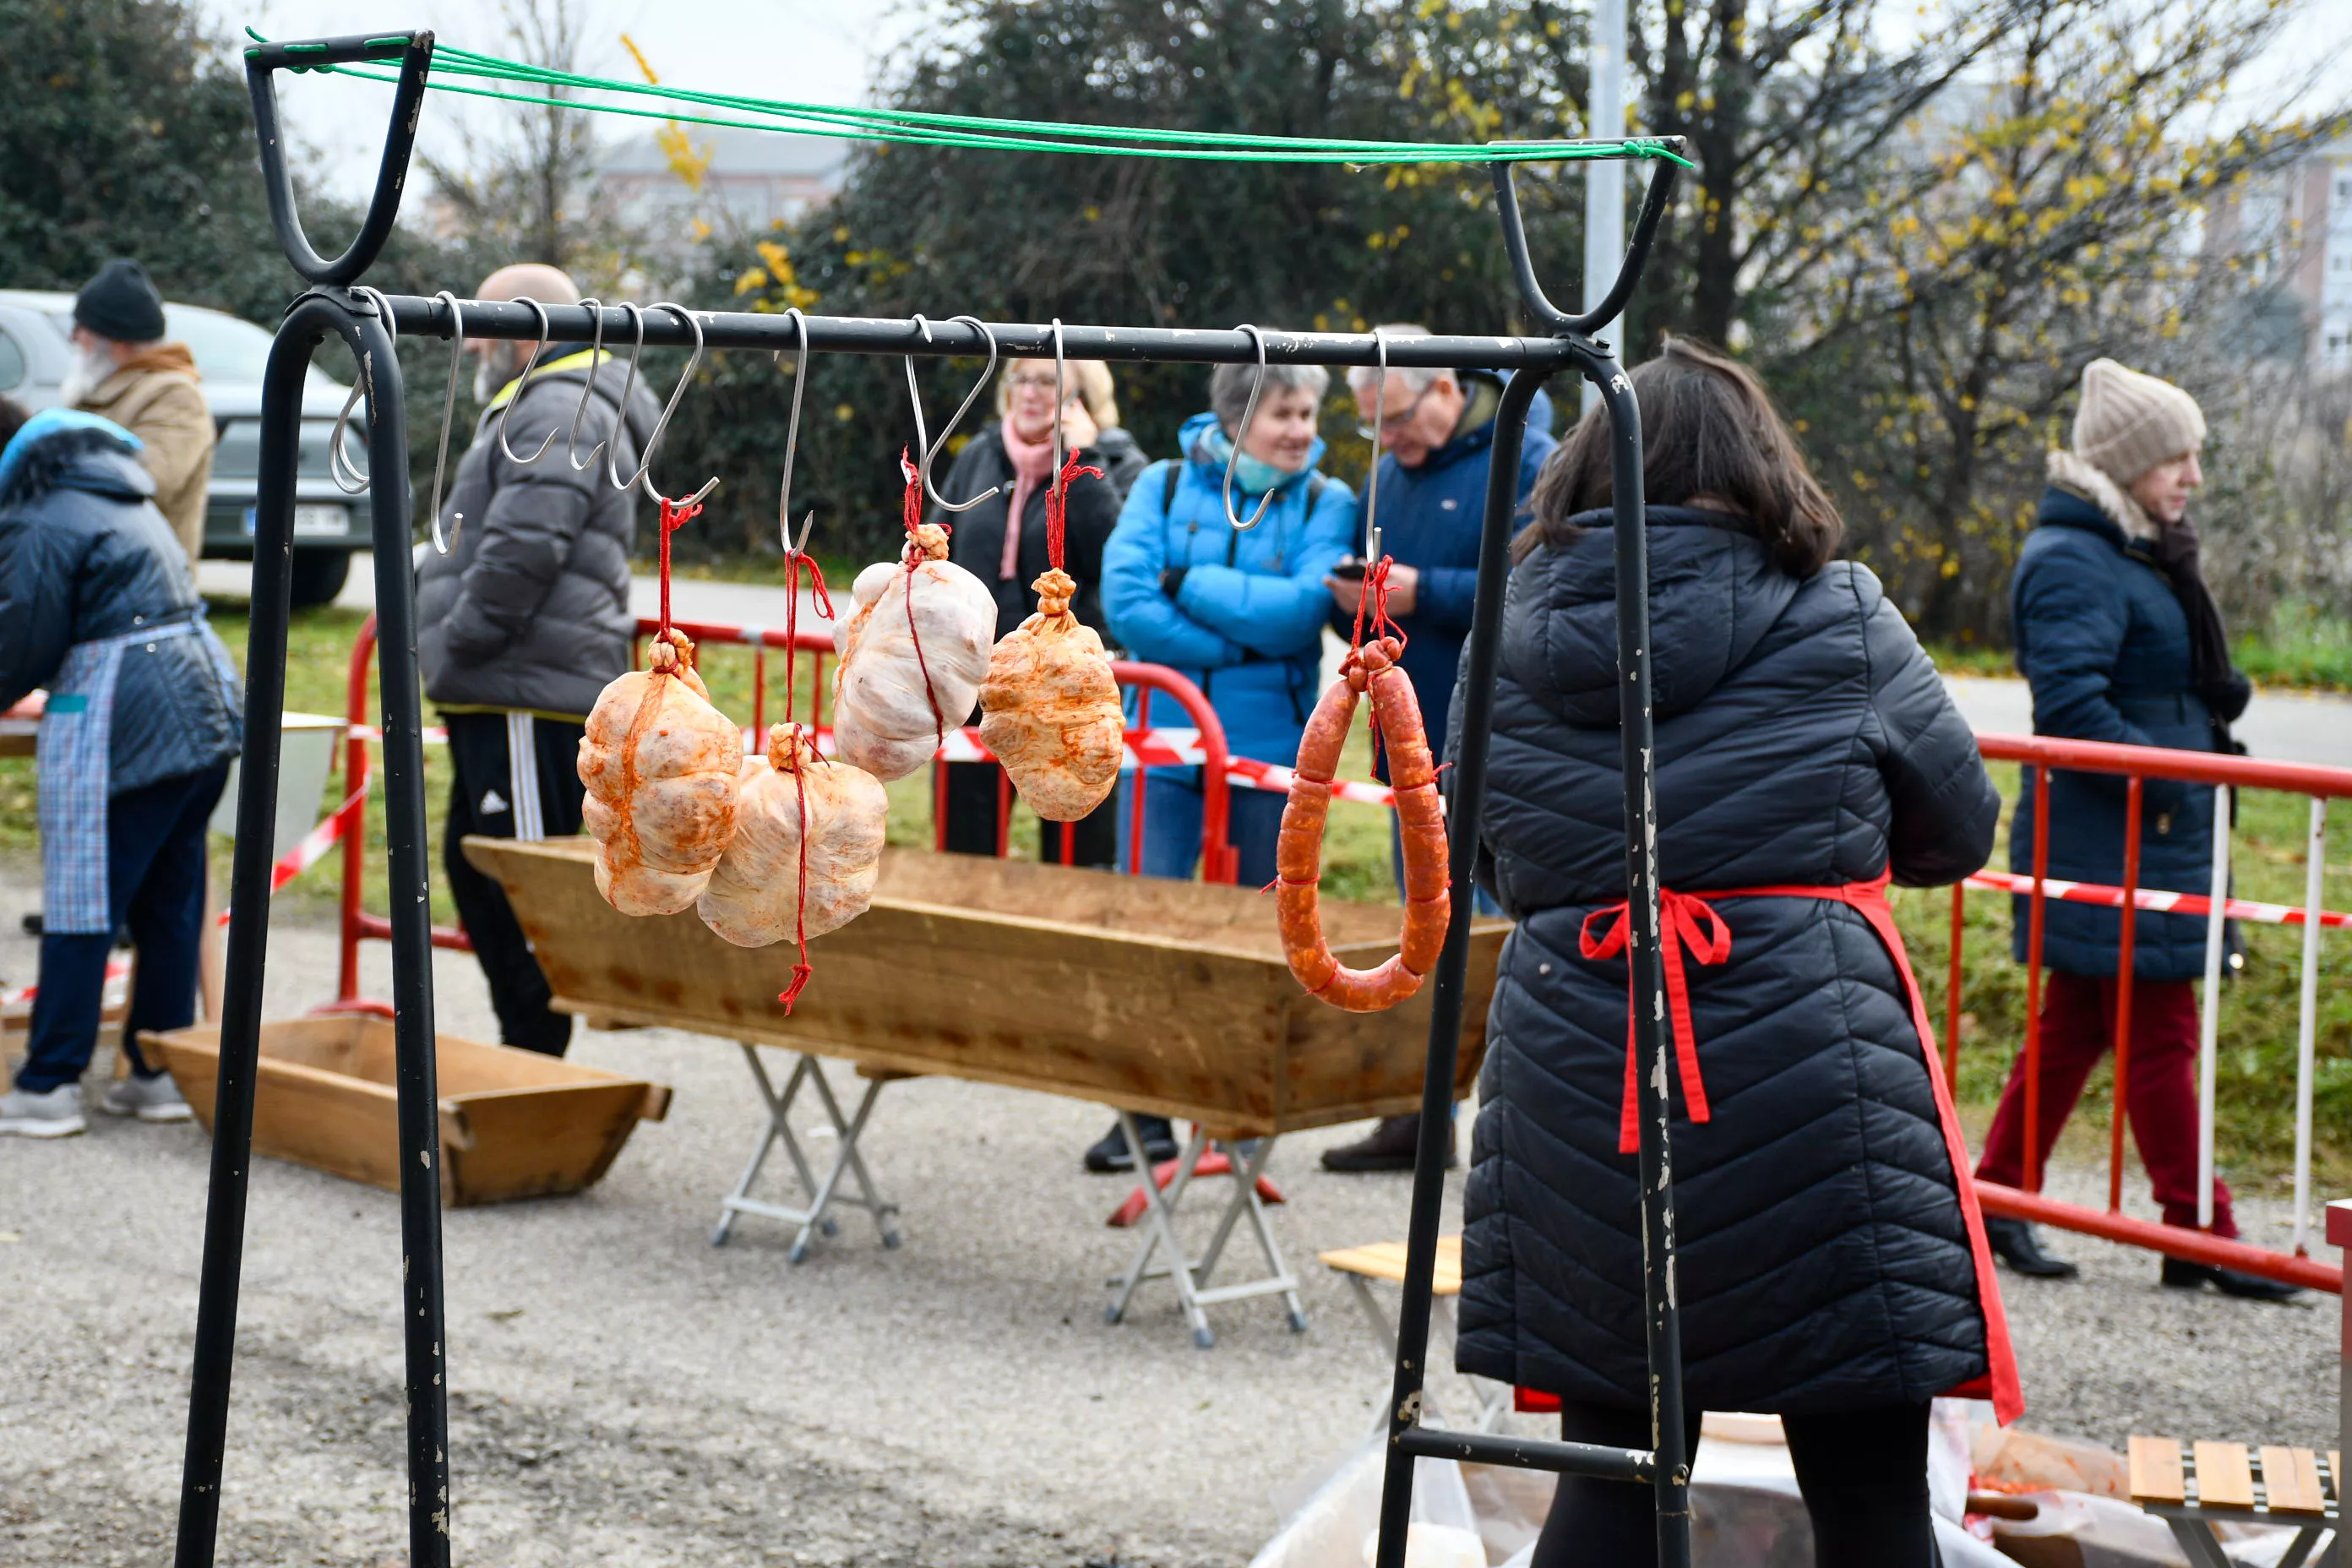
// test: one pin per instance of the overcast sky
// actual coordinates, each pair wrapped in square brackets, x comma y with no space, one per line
[819,51]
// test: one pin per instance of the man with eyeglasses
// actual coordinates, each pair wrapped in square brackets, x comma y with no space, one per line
[1434,430]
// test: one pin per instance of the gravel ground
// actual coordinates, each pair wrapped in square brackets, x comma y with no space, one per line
[624,1394]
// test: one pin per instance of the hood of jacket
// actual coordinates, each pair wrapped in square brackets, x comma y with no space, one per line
[2080,496]
[1206,447]
[88,454]
[1714,594]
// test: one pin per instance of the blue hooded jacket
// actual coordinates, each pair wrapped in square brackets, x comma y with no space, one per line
[1430,520]
[1246,625]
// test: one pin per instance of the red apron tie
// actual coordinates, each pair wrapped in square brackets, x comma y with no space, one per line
[1681,927]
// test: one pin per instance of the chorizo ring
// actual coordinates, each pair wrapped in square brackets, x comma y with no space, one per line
[1298,855]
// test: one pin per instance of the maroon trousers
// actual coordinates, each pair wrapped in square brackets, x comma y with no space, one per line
[2078,1026]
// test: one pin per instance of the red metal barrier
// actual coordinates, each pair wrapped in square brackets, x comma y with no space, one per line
[2135,765]
[1220,860]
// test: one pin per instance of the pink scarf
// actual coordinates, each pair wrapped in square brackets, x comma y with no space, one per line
[1032,462]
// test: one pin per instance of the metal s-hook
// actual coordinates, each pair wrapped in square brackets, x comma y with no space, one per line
[530,369]
[448,412]
[932,450]
[348,477]
[595,309]
[653,442]
[1373,465]
[792,447]
[1055,472]
[1249,413]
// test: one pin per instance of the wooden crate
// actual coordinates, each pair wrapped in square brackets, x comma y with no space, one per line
[514,1125]
[1154,994]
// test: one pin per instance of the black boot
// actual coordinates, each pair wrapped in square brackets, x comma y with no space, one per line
[1109,1155]
[2014,1242]
[1389,1146]
[2180,1274]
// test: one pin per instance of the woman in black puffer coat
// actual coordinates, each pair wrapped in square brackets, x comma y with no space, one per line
[1831,1264]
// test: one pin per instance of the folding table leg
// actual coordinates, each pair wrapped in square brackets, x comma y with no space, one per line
[849,1160]
[2198,1541]
[1158,1230]
[1246,1201]
[778,1131]
[823,1194]
[2298,1553]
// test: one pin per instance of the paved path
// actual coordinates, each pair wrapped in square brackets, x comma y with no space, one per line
[2284,726]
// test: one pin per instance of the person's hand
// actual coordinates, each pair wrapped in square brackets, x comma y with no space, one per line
[1405,588]
[1346,592]
[1079,427]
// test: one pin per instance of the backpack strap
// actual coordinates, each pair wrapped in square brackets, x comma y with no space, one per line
[1171,476]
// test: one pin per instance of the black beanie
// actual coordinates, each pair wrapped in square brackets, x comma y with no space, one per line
[121,304]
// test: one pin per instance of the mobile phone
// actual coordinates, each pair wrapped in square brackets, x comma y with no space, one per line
[1348,570]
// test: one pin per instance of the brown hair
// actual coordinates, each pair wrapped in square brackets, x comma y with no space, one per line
[1708,430]
[12,419]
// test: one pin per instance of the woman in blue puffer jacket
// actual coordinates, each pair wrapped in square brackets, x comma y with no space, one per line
[1237,612]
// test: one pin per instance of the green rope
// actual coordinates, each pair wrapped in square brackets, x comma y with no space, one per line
[921,129]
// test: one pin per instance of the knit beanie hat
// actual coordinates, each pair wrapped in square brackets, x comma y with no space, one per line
[121,303]
[2129,423]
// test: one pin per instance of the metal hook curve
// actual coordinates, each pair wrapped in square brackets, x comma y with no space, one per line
[792,447]
[348,477]
[661,426]
[1059,385]
[595,359]
[1249,413]
[931,451]
[530,369]
[448,413]
[1373,465]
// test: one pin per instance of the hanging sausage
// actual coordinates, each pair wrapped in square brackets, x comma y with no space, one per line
[660,765]
[807,845]
[1413,776]
[913,652]
[1050,705]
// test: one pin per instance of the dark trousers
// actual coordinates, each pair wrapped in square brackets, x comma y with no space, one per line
[973,800]
[1863,1474]
[155,888]
[515,776]
[2078,1027]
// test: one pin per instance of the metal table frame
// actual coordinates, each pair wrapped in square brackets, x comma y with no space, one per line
[1247,1163]
[333,303]
[821,1195]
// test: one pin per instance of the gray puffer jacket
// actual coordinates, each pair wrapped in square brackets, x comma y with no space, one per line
[530,609]
[84,555]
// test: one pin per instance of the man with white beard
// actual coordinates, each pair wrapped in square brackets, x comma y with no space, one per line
[523,622]
[124,372]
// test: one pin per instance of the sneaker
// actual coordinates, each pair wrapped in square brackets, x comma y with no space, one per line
[2179,1274]
[1389,1146]
[1109,1155]
[56,1113]
[154,1099]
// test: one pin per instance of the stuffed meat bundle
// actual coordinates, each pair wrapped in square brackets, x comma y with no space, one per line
[660,765]
[1051,708]
[760,895]
[913,654]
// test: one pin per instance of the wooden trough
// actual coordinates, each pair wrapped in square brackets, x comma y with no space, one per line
[1156,996]
[514,1125]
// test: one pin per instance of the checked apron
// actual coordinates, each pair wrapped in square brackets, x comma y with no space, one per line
[75,751]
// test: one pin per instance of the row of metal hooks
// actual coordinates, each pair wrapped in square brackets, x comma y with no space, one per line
[352,479]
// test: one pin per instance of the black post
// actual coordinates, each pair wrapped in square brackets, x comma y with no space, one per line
[1661,1318]
[306,325]
[1468,803]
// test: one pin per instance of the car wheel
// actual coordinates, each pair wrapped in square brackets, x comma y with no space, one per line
[319,575]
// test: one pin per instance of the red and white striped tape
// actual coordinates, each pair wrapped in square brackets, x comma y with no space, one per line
[111,990]
[2155,899]
[315,843]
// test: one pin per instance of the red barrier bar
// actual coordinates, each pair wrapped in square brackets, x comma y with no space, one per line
[2196,1246]
[2134,794]
[2157,762]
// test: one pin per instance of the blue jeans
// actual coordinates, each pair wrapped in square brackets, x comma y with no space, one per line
[1171,825]
[155,886]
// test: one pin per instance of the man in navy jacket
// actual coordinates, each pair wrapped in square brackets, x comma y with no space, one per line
[1436,430]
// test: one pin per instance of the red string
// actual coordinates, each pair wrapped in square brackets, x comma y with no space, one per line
[915,558]
[1375,593]
[1058,503]
[673,514]
[792,565]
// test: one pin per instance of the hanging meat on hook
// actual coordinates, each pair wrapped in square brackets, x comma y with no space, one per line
[763,890]
[1051,711]
[660,765]
[1298,854]
[913,651]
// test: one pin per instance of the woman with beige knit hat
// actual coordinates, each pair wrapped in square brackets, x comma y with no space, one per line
[2119,638]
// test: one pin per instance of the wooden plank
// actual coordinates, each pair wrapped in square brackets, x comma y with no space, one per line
[2225,1477]
[1158,995]
[1385,1261]
[2291,1481]
[2156,1475]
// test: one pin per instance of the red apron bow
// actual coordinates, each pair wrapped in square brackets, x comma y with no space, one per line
[1680,927]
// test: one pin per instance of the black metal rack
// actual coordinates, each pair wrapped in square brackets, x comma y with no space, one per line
[368,320]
